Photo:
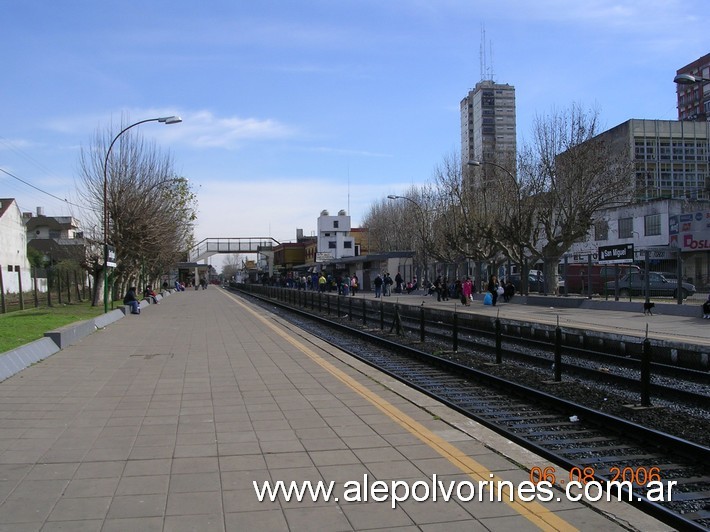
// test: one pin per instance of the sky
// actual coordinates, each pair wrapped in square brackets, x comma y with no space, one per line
[292,107]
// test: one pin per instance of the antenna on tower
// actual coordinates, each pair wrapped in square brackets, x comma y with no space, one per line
[485,56]
[482,52]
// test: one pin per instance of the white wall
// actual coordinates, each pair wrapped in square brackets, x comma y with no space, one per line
[13,250]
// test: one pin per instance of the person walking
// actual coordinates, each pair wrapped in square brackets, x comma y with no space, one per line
[493,288]
[467,289]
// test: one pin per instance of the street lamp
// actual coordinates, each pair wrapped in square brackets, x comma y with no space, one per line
[689,79]
[422,229]
[164,120]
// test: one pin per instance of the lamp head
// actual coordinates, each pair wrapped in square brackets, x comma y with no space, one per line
[170,119]
[686,79]
[474,163]
[392,196]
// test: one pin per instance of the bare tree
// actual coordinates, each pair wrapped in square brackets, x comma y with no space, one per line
[151,210]
[466,219]
[232,265]
[571,174]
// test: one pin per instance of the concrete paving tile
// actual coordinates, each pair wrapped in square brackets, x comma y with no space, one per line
[368,515]
[328,518]
[194,482]
[85,525]
[286,460]
[324,444]
[198,438]
[195,465]
[166,440]
[145,505]
[206,502]
[110,469]
[234,449]
[135,524]
[334,457]
[147,452]
[395,470]
[26,510]
[40,489]
[241,463]
[239,480]
[343,473]
[80,509]
[91,487]
[245,500]
[146,484]
[186,451]
[272,520]
[192,523]
[65,470]
[378,454]
[429,511]
[159,466]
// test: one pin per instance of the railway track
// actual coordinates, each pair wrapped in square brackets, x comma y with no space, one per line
[586,442]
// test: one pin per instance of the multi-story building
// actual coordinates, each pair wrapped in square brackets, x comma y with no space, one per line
[334,239]
[694,98]
[671,158]
[56,237]
[488,131]
[13,248]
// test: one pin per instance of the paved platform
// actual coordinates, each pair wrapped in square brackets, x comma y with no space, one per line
[163,421]
[629,320]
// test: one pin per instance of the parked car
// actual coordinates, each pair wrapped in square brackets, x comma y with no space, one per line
[579,276]
[634,284]
[536,282]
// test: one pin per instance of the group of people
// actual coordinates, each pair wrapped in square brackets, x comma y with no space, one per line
[383,284]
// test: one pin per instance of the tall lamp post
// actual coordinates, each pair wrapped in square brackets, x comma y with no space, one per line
[164,120]
[523,278]
[422,229]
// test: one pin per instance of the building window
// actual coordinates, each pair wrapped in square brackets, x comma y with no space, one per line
[331,244]
[335,224]
[626,227]
[652,225]
[348,244]
[601,230]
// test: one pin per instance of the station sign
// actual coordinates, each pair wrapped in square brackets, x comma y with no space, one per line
[324,256]
[618,254]
[110,254]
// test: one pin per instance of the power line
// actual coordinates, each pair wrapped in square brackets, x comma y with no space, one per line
[38,189]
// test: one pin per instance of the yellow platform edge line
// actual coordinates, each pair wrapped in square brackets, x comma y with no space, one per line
[535,512]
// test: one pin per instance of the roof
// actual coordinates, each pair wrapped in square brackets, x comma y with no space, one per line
[5,205]
[53,222]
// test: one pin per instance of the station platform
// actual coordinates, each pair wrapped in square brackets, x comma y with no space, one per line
[163,421]
[668,323]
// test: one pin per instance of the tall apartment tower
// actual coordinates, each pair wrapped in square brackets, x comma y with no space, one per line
[694,99]
[488,131]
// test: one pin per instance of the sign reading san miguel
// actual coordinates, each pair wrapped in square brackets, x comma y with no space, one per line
[618,254]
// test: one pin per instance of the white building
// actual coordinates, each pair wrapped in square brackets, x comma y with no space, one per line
[334,240]
[13,248]
[664,228]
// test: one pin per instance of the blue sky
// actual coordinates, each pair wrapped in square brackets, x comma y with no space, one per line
[291,107]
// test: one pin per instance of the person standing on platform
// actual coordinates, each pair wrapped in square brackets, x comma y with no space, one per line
[398,282]
[378,282]
[354,284]
[493,288]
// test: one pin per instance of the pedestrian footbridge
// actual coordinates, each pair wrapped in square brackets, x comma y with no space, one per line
[212,246]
